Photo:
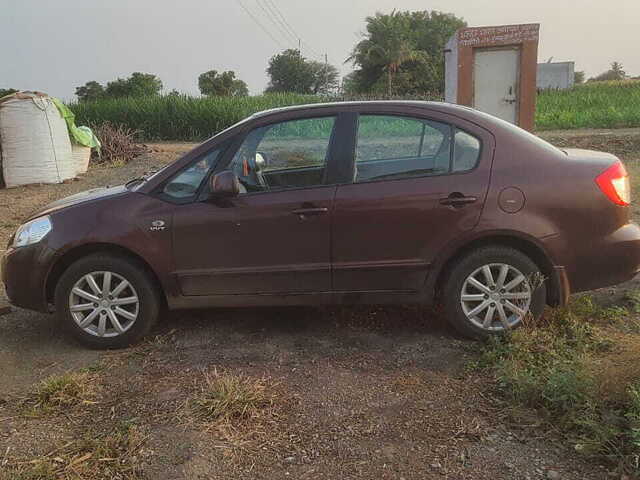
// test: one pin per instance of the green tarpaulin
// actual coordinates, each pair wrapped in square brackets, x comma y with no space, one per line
[81,135]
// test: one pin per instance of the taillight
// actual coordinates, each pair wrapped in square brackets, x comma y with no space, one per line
[614,183]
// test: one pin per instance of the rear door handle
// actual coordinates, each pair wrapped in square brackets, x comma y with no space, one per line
[458,200]
[303,212]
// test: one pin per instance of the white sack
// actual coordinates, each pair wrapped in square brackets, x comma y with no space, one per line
[35,141]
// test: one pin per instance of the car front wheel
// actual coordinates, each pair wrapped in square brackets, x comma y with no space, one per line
[492,290]
[106,301]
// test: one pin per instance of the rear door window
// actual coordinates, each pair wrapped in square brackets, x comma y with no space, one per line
[391,147]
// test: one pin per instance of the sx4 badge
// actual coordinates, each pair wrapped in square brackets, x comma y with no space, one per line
[157,225]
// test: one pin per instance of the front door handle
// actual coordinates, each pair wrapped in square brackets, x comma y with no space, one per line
[303,212]
[458,200]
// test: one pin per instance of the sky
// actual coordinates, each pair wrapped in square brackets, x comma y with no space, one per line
[55,46]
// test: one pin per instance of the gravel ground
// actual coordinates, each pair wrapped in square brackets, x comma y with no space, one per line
[359,392]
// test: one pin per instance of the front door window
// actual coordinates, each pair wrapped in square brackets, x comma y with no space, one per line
[284,155]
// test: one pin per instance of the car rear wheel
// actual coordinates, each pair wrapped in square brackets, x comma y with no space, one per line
[106,301]
[492,290]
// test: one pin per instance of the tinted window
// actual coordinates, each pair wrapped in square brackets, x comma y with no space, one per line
[466,151]
[186,183]
[391,147]
[290,154]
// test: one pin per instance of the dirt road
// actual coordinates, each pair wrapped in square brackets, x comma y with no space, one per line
[358,392]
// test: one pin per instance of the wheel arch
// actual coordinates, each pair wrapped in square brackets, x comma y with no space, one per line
[527,246]
[76,253]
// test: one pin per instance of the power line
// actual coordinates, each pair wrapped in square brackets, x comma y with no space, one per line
[291,29]
[264,29]
[279,19]
[275,21]
[284,20]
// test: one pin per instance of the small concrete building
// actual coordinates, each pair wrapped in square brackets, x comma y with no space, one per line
[556,75]
[493,69]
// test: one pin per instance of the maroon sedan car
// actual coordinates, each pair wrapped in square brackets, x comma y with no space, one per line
[364,202]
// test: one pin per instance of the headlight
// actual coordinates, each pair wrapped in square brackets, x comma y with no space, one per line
[32,232]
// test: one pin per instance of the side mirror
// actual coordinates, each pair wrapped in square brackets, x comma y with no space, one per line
[224,184]
[261,161]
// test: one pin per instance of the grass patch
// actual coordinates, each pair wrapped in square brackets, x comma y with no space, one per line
[111,456]
[61,392]
[561,367]
[225,397]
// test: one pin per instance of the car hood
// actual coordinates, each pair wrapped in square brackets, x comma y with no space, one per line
[82,197]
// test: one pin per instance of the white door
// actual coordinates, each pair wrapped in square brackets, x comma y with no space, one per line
[495,82]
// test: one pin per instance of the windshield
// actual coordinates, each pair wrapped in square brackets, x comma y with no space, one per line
[136,182]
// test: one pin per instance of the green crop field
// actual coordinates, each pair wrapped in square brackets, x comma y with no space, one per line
[180,117]
[592,105]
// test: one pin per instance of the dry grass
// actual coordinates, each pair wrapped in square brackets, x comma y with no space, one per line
[240,413]
[615,371]
[59,392]
[225,397]
[114,456]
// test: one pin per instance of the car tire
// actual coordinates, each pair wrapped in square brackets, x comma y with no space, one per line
[135,307]
[460,291]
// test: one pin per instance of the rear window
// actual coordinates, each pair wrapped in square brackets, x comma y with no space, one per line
[466,151]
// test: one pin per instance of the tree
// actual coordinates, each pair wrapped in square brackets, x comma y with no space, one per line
[326,78]
[90,91]
[402,52]
[578,77]
[7,91]
[222,84]
[137,85]
[350,84]
[616,72]
[290,72]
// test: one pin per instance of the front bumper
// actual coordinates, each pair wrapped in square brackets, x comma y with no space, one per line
[24,274]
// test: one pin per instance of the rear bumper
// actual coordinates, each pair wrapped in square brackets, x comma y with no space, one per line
[24,274]
[606,261]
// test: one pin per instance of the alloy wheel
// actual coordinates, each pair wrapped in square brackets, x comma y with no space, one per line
[104,304]
[496,297]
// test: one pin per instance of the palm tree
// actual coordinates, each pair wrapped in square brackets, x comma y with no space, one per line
[386,45]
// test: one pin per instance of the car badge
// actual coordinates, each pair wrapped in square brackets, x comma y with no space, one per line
[157,225]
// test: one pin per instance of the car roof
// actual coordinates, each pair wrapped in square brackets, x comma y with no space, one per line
[461,111]
[442,106]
